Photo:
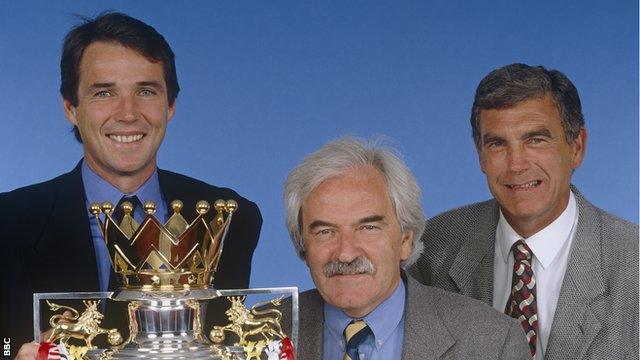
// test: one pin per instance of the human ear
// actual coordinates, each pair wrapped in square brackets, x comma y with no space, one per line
[70,111]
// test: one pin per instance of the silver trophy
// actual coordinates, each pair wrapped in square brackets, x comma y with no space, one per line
[166,272]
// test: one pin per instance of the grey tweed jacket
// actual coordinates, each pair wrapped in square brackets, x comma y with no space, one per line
[597,312]
[437,325]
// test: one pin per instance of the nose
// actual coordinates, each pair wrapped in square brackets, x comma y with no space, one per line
[517,159]
[127,108]
[348,248]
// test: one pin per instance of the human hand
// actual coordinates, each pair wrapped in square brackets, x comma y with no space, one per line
[29,351]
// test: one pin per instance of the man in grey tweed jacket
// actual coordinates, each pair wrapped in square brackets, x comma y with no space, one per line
[355,217]
[530,136]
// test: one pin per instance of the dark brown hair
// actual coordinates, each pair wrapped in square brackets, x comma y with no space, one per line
[511,84]
[122,29]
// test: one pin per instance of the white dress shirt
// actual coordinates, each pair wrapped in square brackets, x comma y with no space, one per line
[550,247]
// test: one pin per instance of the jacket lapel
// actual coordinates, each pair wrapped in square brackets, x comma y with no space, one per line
[582,294]
[472,269]
[311,309]
[428,337]
[66,242]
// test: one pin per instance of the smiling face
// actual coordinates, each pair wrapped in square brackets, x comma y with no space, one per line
[349,217]
[122,113]
[528,162]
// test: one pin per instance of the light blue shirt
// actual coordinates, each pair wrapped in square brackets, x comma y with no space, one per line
[386,322]
[98,190]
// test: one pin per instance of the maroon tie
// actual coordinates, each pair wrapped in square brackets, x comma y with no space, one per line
[522,301]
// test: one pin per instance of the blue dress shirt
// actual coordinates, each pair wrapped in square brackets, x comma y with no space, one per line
[98,190]
[386,322]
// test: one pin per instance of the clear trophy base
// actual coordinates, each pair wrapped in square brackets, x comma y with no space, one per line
[173,349]
[169,325]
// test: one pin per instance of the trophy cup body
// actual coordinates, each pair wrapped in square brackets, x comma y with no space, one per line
[165,273]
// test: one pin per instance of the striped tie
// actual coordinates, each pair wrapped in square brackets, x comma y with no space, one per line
[354,334]
[522,302]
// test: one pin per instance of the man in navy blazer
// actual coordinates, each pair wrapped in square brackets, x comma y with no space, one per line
[119,89]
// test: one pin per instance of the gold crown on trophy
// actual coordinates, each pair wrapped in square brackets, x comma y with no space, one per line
[176,256]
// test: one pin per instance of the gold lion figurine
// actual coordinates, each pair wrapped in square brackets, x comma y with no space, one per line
[250,322]
[84,327]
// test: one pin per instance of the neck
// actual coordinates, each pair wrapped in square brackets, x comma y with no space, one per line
[125,182]
[527,227]
[527,230]
[127,185]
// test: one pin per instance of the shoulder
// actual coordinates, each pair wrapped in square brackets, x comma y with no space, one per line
[609,223]
[26,211]
[617,227]
[620,233]
[616,235]
[617,240]
[450,229]
[447,233]
[310,298]
[460,312]
[310,306]
[308,301]
[474,327]
[31,201]
[42,189]
[463,217]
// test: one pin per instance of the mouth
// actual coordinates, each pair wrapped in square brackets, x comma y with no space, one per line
[525,186]
[348,277]
[125,139]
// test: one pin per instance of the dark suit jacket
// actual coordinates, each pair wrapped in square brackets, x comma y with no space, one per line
[597,312]
[437,325]
[45,242]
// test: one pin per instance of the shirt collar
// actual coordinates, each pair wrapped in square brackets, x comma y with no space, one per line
[546,243]
[383,320]
[99,190]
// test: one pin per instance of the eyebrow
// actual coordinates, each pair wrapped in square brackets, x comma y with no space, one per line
[489,138]
[318,223]
[102,85]
[539,132]
[368,219]
[153,84]
[372,218]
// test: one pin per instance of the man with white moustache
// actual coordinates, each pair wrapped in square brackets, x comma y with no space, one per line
[354,215]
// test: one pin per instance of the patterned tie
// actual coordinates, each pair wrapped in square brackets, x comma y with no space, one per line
[355,334]
[522,302]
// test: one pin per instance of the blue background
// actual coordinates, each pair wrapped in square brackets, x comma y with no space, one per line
[267,82]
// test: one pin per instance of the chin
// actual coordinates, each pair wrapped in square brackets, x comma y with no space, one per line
[130,167]
[349,303]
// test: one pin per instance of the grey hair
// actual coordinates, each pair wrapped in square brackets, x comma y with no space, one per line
[344,154]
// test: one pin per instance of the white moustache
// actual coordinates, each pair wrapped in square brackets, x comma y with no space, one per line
[359,265]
